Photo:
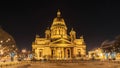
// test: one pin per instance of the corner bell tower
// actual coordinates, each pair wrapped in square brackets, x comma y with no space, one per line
[58,27]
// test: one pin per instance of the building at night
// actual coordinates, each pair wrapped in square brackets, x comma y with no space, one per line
[7,45]
[58,44]
[96,53]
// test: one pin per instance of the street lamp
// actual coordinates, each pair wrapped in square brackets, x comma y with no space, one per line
[1,41]
[1,49]
[1,52]
[12,54]
[24,51]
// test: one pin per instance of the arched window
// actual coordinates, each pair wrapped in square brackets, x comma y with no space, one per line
[52,53]
[79,53]
[40,53]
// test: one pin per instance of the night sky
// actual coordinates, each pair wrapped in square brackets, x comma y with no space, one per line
[95,20]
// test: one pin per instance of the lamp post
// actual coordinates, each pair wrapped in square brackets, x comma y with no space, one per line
[1,49]
[24,53]
[30,56]
[12,54]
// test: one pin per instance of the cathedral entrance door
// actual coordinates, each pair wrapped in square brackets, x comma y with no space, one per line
[68,53]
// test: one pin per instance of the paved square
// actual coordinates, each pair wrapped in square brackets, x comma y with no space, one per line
[84,64]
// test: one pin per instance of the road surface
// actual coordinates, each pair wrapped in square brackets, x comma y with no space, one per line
[84,64]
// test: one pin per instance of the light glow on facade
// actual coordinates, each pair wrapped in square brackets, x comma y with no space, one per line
[57,44]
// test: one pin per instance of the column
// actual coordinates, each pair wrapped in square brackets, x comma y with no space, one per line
[62,52]
[38,54]
[70,52]
[65,55]
[55,52]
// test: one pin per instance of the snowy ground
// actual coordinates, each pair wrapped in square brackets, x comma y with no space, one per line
[84,64]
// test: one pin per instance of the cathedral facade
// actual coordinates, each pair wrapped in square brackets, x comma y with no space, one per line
[58,44]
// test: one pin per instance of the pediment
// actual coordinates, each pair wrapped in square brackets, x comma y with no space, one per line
[61,41]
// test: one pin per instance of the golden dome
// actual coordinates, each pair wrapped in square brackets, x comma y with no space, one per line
[58,21]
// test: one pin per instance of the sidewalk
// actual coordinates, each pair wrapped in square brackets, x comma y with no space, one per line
[2,64]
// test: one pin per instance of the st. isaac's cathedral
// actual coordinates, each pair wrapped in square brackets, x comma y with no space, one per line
[57,44]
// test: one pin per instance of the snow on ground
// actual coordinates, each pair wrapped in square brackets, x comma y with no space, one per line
[85,64]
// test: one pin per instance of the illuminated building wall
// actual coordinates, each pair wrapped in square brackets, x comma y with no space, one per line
[57,44]
[7,44]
